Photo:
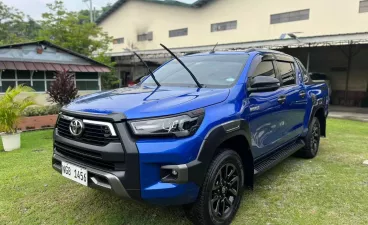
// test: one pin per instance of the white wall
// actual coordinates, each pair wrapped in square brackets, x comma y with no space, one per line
[136,17]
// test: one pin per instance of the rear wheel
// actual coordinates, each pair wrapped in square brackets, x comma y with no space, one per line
[311,140]
[221,193]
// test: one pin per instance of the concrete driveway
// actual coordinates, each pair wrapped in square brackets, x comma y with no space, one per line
[352,113]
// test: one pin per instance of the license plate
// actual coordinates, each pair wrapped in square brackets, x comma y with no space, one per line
[75,173]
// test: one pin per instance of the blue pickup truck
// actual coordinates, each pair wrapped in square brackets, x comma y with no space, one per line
[195,132]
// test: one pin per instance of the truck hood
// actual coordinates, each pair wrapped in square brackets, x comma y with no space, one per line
[142,102]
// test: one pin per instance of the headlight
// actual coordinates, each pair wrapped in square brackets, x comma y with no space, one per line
[179,126]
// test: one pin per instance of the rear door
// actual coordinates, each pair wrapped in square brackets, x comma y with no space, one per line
[294,106]
[265,111]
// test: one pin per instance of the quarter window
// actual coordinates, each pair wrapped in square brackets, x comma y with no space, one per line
[304,71]
[287,73]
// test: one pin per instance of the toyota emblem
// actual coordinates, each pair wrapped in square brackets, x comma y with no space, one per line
[76,127]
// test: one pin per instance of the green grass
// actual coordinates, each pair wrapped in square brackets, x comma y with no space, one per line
[330,189]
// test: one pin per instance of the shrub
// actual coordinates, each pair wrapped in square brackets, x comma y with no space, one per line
[62,91]
[41,110]
[11,109]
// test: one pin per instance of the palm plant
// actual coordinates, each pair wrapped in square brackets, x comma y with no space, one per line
[11,108]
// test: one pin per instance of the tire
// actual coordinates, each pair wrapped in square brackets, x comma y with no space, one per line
[202,211]
[311,140]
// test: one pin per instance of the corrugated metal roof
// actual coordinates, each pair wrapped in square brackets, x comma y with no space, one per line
[47,43]
[38,66]
[20,66]
[119,3]
[2,66]
[307,41]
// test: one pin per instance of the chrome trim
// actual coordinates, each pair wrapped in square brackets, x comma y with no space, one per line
[67,117]
[99,183]
[212,129]
[109,125]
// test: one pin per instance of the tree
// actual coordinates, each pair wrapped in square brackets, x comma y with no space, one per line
[62,90]
[65,29]
[103,10]
[13,28]
[108,80]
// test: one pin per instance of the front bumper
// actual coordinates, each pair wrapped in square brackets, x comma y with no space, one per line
[178,192]
[133,167]
[97,179]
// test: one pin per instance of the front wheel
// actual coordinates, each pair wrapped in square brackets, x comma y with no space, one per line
[221,193]
[311,140]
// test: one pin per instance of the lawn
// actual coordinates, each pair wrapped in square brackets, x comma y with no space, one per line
[331,189]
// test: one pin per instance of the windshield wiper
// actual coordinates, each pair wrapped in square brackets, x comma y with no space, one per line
[145,64]
[190,72]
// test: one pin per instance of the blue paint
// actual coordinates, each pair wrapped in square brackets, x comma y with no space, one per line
[271,124]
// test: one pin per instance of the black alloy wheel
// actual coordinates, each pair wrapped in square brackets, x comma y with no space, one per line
[221,193]
[224,191]
[314,141]
[311,141]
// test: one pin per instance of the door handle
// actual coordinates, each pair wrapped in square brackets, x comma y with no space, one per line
[302,94]
[282,99]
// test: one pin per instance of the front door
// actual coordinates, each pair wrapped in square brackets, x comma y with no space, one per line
[265,115]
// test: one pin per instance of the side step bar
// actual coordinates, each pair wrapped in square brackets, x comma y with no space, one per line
[273,159]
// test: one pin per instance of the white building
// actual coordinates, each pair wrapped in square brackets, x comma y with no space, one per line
[329,36]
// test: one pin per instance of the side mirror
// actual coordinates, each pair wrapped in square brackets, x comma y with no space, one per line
[263,84]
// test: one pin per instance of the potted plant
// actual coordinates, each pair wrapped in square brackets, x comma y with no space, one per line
[11,109]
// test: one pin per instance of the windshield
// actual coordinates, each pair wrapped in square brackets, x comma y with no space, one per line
[214,71]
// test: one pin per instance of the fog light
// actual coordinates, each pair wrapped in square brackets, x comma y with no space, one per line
[174,172]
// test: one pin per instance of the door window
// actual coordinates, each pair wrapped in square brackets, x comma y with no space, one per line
[265,68]
[287,73]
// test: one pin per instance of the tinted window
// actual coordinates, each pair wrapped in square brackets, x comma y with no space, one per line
[210,70]
[303,70]
[287,73]
[264,68]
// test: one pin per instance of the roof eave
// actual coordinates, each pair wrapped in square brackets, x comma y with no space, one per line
[47,43]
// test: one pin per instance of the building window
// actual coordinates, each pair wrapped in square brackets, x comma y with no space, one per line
[118,41]
[363,6]
[290,16]
[178,32]
[231,25]
[41,80]
[145,37]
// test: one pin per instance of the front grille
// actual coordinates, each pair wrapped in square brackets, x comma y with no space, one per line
[86,157]
[93,134]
